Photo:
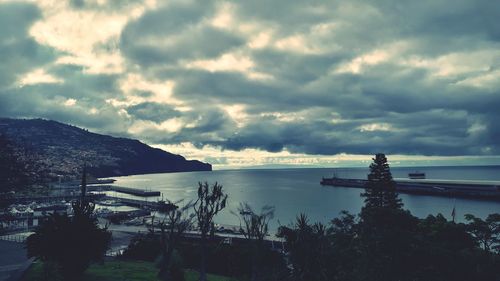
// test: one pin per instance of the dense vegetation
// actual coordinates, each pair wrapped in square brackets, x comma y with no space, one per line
[68,244]
[384,242]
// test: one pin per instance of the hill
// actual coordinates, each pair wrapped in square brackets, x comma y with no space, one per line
[62,149]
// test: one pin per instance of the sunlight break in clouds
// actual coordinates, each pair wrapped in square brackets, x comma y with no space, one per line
[38,76]
[252,83]
[88,37]
[230,62]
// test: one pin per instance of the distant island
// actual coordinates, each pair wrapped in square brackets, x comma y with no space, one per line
[61,150]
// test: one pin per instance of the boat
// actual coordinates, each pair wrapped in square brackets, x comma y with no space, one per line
[165,206]
[416,175]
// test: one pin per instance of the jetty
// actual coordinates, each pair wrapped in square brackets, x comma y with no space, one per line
[135,191]
[143,204]
[126,190]
[487,190]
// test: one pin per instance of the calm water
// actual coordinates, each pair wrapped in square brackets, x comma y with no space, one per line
[293,191]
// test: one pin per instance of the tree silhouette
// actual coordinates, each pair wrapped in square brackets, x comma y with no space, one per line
[174,225]
[380,190]
[485,232]
[255,229]
[211,200]
[72,243]
[309,249]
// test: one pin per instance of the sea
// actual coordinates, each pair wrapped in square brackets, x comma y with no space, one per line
[298,190]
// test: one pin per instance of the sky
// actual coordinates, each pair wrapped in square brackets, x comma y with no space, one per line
[264,83]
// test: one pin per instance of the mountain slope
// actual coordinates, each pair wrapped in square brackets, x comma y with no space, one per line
[62,149]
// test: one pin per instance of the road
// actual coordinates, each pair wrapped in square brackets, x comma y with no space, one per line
[13,260]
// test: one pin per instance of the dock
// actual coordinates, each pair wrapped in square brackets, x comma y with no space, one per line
[154,205]
[135,191]
[122,189]
[487,190]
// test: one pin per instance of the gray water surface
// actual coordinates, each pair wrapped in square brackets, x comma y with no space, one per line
[294,191]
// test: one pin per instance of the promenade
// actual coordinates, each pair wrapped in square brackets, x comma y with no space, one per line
[13,260]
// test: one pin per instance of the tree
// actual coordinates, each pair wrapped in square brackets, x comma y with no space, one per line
[71,243]
[175,224]
[309,250]
[255,229]
[380,190]
[485,232]
[343,234]
[385,242]
[211,200]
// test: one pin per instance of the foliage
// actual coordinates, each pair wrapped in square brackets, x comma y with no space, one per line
[72,243]
[255,229]
[174,225]
[485,232]
[255,225]
[309,249]
[381,188]
[387,244]
[144,247]
[211,200]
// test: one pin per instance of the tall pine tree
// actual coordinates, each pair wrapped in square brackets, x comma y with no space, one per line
[380,190]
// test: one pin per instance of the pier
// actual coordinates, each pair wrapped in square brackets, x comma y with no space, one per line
[155,205]
[135,191]
[487,190]
[126,190]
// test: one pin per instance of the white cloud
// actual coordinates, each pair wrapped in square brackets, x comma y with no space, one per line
[376,127]
[134,84]
[38,76]
[230,62]
[70,102]
[81,34]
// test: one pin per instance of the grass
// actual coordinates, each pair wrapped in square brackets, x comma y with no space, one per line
[119,271]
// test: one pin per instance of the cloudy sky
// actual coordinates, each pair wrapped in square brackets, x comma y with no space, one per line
[245,83]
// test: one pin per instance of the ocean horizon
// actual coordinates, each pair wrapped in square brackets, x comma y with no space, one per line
[297,190]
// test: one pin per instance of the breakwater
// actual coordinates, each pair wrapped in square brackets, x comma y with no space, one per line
[487,190]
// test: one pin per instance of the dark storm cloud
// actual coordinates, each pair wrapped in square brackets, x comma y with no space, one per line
[173,33]
[205,42]
[21,54]
[297,69]
[406,77]
[79,84]
[153,111]
[326,138]
[210,125]
[444,18]
[18,51]
[25,103]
